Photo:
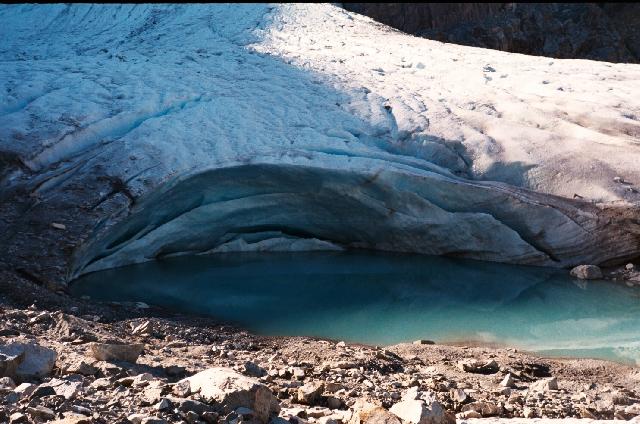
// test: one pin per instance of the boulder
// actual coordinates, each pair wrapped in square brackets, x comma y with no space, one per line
[586,272]
[34,361]
[230,390]
[116,351]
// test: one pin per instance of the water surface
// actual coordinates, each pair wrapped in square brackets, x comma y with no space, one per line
[386,298]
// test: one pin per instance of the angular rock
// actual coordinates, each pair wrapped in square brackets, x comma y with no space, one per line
[116,352]
[41,413]
[185,405]
[254,370]
[37,361]
[153,420]
[136,418]
[182,388]
[479,367]
[69,389]
[310,393]
[9,363]
[418,411]
[586,272]
[164,404]
[544,385]
[25,389]
[231,390]
[144,328]
[42,391]
[18,418]
[71,418]
[77,365]
[6,384]
[486,409]
[508,381]
[367,413]
[470,414]
[458,395]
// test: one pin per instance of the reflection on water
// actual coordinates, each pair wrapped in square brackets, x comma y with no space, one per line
[386,298]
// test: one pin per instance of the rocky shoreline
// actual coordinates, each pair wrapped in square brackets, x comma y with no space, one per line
[110,366]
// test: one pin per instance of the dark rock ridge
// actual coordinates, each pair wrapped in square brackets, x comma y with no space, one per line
[597,31]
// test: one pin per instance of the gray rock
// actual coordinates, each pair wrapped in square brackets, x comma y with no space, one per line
[230,390]
[458,395]
[42,391]
[36,361]
[25,389]
[7,383]
[41,413]
[9,363]
[116,352]
[587,272]
[163,404]
[254,370]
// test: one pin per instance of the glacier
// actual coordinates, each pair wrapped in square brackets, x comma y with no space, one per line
[159,130]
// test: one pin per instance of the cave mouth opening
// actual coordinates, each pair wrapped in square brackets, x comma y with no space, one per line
[386,298]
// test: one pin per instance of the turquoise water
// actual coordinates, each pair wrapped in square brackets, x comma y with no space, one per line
[385,299]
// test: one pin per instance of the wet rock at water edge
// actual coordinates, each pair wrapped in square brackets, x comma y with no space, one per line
[586,272]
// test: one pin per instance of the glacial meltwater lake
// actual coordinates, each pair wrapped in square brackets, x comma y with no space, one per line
[389,298]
